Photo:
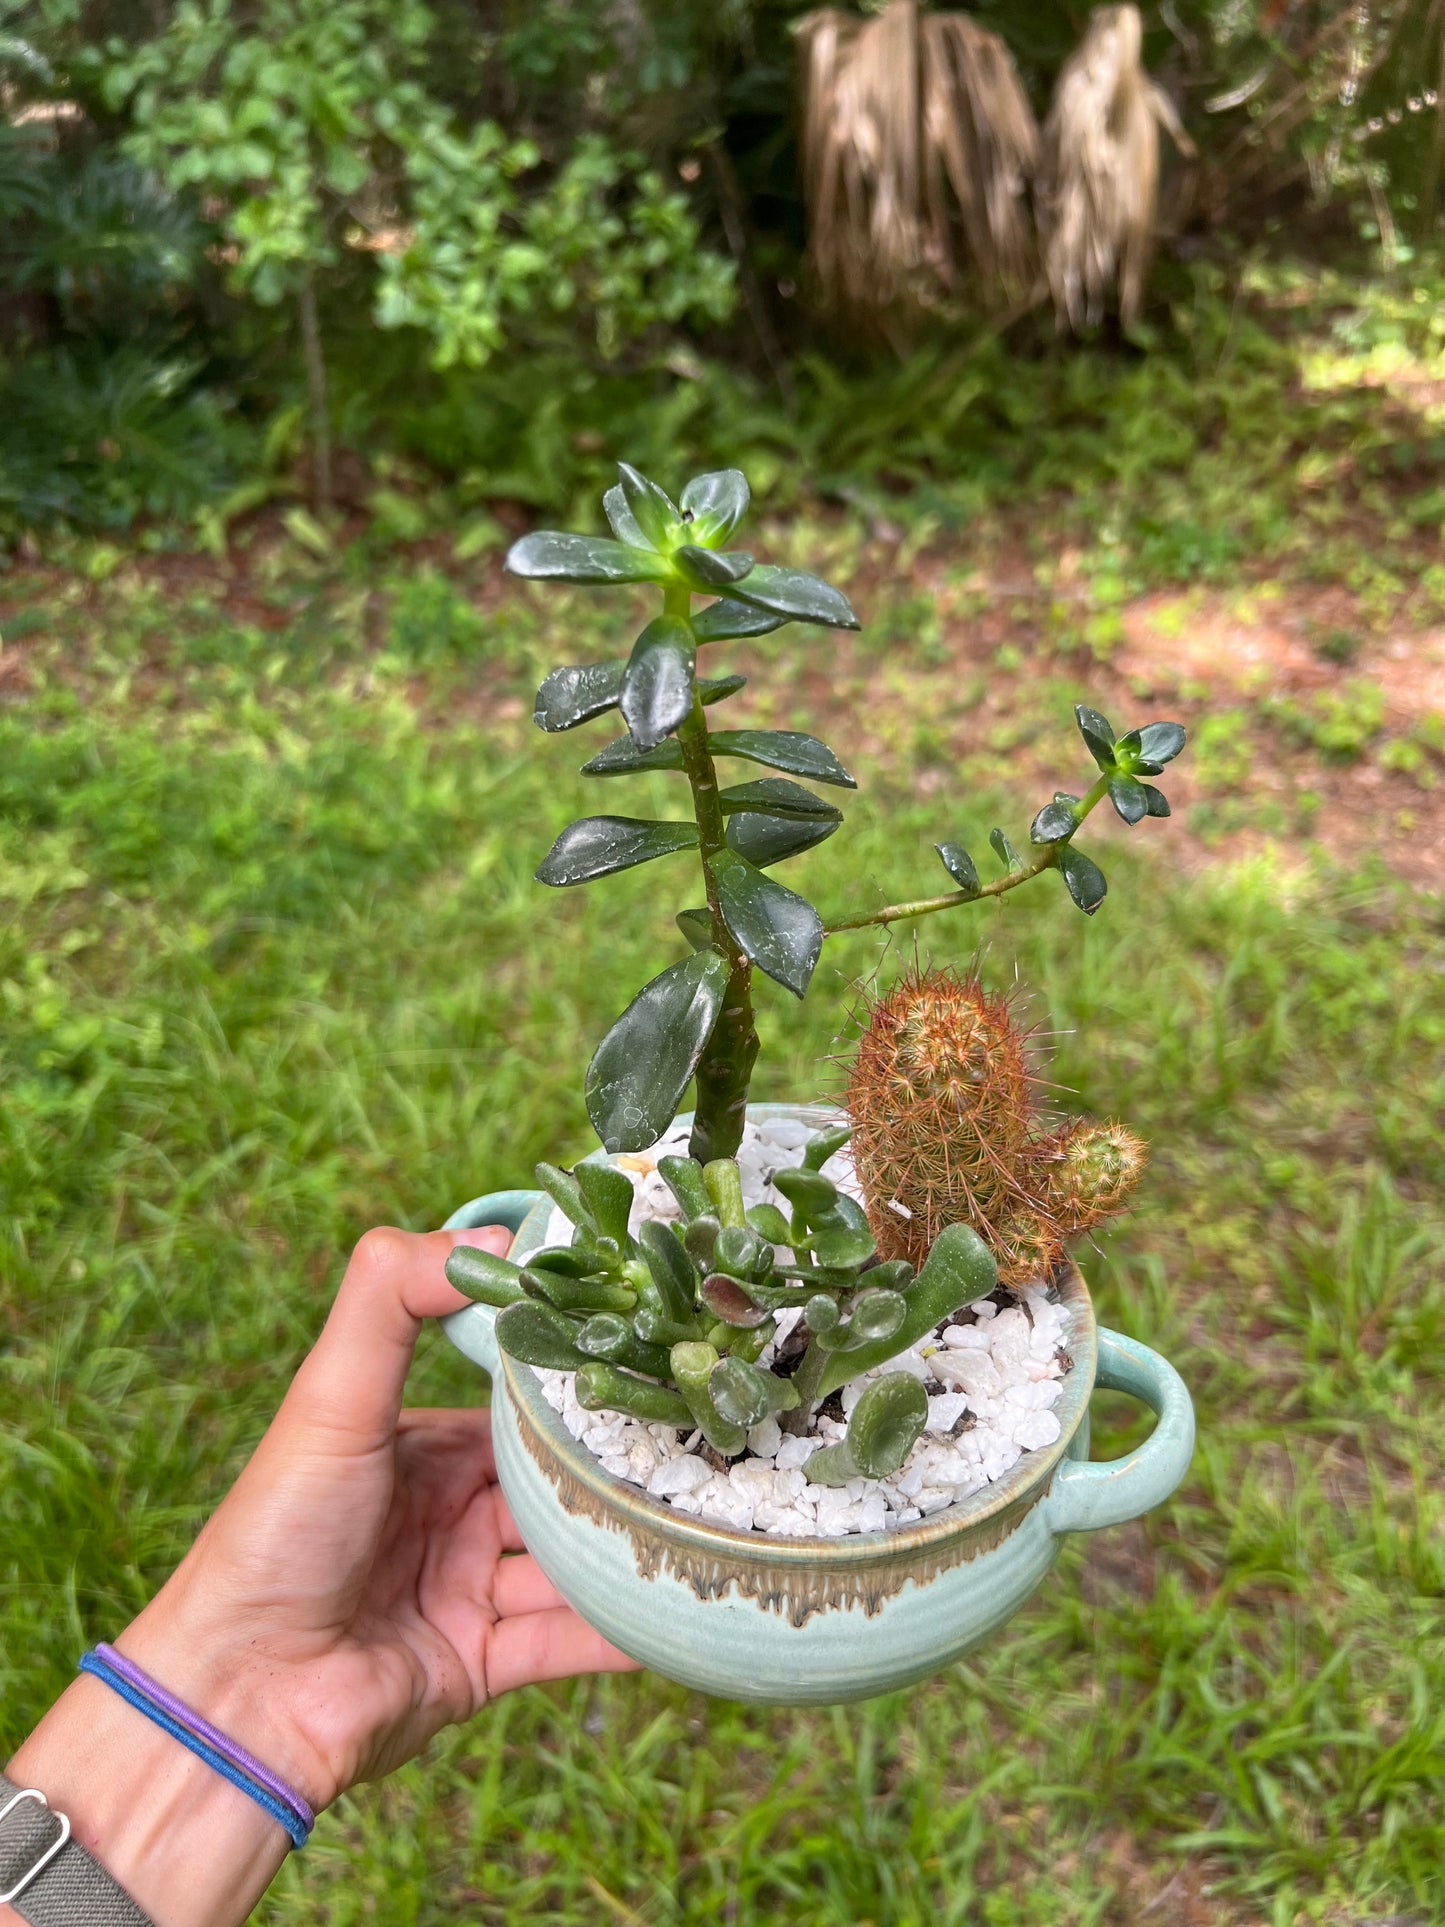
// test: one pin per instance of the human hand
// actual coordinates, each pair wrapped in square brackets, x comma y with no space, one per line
[363,1584]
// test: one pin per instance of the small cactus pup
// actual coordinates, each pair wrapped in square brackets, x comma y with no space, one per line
[683,1324]
[945,1132]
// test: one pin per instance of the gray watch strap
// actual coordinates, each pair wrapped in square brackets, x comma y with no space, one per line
[50,1887]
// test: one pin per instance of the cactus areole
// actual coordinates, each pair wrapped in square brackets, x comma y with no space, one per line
[734,1316]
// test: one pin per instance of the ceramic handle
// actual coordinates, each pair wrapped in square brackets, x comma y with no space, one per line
[1087,1495]
[473,1330]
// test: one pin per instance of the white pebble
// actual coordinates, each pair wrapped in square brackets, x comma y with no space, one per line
[684,1474]
[965,1338]
[974,1371]
[1035,1430]
[765,1438]
[945,1410]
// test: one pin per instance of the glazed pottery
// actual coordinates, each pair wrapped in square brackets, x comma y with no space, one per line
[812,1621]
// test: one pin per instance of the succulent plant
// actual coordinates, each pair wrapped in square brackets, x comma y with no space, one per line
[669,1325]
[945,1131]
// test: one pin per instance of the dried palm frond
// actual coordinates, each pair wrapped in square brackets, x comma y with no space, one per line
[917,144]
[1098,192]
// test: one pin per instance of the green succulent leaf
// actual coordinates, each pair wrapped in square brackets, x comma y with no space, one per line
[1159,743]
[785,749]
[539,1335]
[837,1245]
[657,687]
[811,1194]
[567,1261]
[877,1314]
[602,1387]
[483,1277]
[607,1334]
[821,1148]
[608,1192]
[739,1391]
[577,1294]
[1007,855]
[696,926]
[1098,734]
[550,555]
[886,1424]
[796,594]
[821,1314]
[728,1300]
[738,1250]
[671,1268]
[716,502]
[707,571]
[1055,823]
[780,931]
[700,1234]
[959,865]
[894,1274]
[769,1223]
[692,1366]
[1084,878]
[716,689]
[598,846]
[1126,793]
[625,525]
[564,1190]
[653,510]
[725,1187]
[728,620]
[958,1269]
[763,840]
[575,695]
[645,1062]
[1156,803]
[622,757]
[683,1177]
[776,796]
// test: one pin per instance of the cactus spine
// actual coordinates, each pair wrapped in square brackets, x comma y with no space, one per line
[945,1131]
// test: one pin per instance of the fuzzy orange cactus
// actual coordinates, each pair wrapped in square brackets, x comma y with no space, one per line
[945,1131]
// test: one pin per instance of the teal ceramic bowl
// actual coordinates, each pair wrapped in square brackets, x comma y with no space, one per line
[797,1622]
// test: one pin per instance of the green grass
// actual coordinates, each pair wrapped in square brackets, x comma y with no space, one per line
[272,969]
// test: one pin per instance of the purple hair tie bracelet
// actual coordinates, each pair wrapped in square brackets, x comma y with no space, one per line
[285,1806]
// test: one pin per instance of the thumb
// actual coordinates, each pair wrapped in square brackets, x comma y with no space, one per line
[352,1379]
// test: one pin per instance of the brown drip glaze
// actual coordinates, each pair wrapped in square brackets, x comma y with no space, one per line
[837,1580]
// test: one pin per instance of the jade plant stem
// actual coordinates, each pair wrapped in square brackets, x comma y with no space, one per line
[1047,857]
[727,1061]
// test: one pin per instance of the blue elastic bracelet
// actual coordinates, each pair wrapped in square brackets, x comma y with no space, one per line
[281,1815]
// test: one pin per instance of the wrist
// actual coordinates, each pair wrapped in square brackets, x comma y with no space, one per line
[191,1849]
[235,1683]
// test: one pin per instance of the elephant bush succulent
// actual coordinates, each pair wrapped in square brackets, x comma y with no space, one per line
[679,1324]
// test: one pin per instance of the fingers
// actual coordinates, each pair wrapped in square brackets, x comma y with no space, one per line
[553,1644]
[352,1380]
[519,1586]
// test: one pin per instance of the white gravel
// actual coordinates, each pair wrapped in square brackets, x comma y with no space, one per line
[993,1383]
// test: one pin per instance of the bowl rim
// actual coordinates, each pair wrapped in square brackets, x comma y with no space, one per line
[982,1514]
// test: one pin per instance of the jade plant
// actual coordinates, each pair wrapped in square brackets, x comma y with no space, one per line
[679,1323]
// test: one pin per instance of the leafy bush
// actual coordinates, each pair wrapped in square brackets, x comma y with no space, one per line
[97,435]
